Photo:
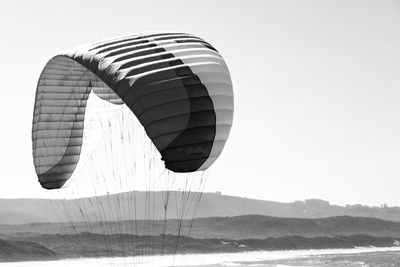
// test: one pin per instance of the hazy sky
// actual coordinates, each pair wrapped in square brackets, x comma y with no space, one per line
[317,89]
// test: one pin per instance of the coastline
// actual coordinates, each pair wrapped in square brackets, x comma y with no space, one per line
[204,259]
[87,245]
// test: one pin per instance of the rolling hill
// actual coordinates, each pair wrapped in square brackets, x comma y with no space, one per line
[23,250]
[238,227]
[22,211]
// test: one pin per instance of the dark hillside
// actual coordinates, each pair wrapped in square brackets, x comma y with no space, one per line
[238,227]
[95,245]
[23,250]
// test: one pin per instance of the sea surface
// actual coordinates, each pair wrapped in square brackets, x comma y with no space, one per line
[381,257]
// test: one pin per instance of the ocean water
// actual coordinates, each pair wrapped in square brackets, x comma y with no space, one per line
[381,257]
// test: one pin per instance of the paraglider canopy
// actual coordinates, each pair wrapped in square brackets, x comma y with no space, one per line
[177,85]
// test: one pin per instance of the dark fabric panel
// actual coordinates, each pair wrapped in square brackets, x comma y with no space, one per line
[130,49]
[184,166]
[134,37]
[191,147]
[163,75]
[135,62]
[49,183]
[140,44]
[118,46]
[154,66]
[169,117]
[140,53]
[202,42]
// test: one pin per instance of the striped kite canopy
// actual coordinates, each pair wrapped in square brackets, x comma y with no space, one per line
[176,84]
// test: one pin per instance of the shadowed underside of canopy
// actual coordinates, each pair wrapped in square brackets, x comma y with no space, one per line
[177,85]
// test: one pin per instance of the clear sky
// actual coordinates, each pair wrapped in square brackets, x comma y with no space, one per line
[317,88]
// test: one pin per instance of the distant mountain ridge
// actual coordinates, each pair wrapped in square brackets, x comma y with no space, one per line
[22,211]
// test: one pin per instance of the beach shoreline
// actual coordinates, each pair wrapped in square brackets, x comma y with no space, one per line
[207,259]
